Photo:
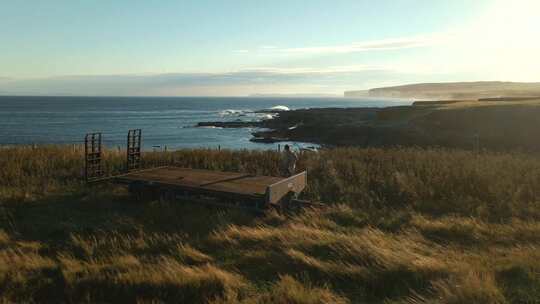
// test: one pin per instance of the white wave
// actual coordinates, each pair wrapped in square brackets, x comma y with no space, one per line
[279,108]
[264,116]
[268,116]
[232,112]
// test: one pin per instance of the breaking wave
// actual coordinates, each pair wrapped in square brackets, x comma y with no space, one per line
[279,108]
[231,112]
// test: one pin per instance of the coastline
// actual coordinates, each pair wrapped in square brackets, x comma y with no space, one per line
[164,121]
[497,124]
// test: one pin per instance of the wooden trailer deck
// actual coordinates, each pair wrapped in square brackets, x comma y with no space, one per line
[205,186]
[235,186]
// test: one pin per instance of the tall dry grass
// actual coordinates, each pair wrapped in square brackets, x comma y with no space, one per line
[403,226]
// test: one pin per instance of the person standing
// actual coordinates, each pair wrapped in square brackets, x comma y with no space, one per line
[288,161]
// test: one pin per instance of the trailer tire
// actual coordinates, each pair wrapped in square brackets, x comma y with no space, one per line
[136,189]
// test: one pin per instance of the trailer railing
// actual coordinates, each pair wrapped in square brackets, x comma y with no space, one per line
[92,157]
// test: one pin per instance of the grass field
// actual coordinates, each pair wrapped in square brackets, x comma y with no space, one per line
[404,226]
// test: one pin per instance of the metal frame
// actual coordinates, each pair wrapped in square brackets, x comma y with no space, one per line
[134,150]
[92,157]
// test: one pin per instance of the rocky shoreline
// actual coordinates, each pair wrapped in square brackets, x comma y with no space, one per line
[298,125]
[231,124]
[497,125]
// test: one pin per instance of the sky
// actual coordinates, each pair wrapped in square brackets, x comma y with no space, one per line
[243,47]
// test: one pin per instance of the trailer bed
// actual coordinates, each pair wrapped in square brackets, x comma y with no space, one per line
[184,184]
[232,185]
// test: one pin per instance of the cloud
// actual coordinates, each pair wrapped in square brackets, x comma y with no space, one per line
[374,45]
[187,83]
[315,71]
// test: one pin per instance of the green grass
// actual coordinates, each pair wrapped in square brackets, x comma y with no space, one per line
[403,226]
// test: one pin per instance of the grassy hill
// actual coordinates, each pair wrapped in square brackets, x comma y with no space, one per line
[403,226]
[454,90]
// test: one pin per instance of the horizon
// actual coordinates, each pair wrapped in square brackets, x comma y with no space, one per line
[239,49]
[277,96]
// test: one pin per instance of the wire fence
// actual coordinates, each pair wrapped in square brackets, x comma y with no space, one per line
[150,144]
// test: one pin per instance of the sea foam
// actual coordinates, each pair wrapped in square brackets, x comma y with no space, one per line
[279,108]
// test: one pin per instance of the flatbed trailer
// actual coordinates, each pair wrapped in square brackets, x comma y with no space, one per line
[171,183]
[214,187]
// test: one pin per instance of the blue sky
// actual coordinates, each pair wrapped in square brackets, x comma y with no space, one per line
[243,47]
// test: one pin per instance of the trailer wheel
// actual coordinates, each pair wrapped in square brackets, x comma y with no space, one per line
[143,192]
[136,189]
[286,203]
[167,196]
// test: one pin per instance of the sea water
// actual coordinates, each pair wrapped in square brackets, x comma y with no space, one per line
[165,121]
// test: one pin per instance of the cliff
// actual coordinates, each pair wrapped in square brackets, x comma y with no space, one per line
[453,90]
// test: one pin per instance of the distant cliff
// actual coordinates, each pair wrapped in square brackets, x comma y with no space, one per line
[453,90]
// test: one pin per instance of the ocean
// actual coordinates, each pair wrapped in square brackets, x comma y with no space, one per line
[165,121]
